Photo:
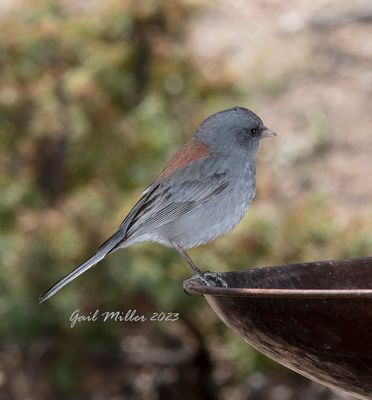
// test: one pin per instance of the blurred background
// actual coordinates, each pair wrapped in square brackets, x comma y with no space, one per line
[94,97]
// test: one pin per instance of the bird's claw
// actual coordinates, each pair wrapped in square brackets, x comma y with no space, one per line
[211,279]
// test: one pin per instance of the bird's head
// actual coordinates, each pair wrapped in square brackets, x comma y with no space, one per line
[234,129]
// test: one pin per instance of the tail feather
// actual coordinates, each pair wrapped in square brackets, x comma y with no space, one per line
[101,253]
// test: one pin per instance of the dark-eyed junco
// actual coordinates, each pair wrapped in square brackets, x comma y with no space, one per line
[203,191]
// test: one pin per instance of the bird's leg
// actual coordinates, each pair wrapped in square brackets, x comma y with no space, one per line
[186,257]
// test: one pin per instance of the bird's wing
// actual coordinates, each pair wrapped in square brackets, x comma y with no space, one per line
[164,210]
[168,200]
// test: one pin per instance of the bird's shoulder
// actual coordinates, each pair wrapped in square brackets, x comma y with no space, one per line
[190,152]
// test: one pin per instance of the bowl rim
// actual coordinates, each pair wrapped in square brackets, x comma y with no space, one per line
[192,286]
[278,293]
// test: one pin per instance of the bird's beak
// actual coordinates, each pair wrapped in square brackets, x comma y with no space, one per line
[266,132]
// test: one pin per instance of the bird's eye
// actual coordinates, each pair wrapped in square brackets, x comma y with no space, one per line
[252,131]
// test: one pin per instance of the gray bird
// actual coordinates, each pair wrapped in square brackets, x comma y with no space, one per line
[204,191]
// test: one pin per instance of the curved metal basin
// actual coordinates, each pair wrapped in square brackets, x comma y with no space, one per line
[315,318]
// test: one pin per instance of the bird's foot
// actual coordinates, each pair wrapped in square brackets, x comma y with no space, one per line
[211,279]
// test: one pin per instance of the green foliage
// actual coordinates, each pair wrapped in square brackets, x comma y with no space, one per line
[90,105]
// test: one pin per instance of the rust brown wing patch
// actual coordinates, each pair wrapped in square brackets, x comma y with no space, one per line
[193,150]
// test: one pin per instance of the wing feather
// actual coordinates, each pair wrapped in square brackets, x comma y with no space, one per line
[170,202]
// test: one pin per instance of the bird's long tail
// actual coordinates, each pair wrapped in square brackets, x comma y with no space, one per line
[110,245]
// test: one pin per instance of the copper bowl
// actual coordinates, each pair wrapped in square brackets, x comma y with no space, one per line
[314,318]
